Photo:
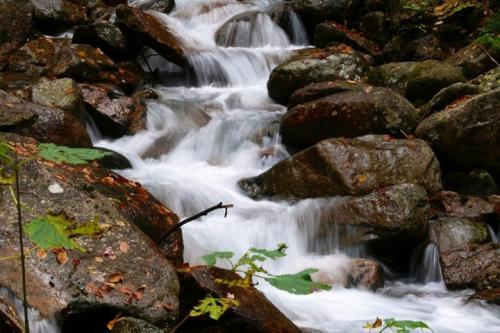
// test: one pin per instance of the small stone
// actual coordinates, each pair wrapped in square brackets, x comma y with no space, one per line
[55,188]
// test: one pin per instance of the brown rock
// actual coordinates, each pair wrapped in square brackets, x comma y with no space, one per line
[254,314]
[457,205]
[349,167]
[457,233]
[114,113]
[370,110]
[59,11]
[322,89]
[366,274]
[149,30]
[120,281]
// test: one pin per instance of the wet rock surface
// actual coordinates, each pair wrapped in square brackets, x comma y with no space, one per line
[457,233]
[322,89]
[349,167]
[121,270]
[467,136]
[370,110]
[254,314]
[316,65]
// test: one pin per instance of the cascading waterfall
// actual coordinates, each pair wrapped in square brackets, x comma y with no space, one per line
[201,164]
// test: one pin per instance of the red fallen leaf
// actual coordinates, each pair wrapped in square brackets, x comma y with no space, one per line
[168,307]
[124,247]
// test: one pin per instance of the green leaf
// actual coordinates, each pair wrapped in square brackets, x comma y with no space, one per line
[48,235]
[299,283]
[63,154]
[214,307]
[405,324]
[211,258]
[53,231]
[271,254]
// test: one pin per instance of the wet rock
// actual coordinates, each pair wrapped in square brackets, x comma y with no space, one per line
[349,167]
[313,12]
[134,325]
[474,60]
[115,161]
[349,114]
[448,95]
[15,26]
[316,65]
[121,270]
[37,56]
[490,296]
[254,314]
[63,94]
[45,123]
[59,12]
[428,47]
[457,205]
[322,89]
[17,81]
[376,27]
[329,32]
[478,182]
[9,321]
[245,30]
[149,30]
[467,136]
[392,215]
[416,80]
[489,80]
[163,6]
[114,113]
[457,233]
[366,274]
[475,266]
[107,37]
[85,63]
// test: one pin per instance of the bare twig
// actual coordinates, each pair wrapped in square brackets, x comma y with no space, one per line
[197,216]
[179,324]
[21,243]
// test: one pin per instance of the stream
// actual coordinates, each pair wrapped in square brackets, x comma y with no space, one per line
[202,138]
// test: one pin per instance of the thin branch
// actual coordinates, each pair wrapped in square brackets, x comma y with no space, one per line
[179,324]
[196,216]
[21,244]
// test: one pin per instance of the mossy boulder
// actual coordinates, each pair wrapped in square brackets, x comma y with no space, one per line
[456,233]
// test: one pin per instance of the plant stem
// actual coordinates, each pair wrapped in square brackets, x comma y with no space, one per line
[21,244]
[179,324]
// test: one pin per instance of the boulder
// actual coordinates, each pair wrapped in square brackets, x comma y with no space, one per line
[489,80]
[449,95]
[254,313]
[366,274]
[416,80]
[478,182]
[59,12]
[9,321]
[322,89]
[107,37]
[477,266]
[85,63]
[387,215]
[115,113]
[246,30]
[490,296]
[45,123]
[313,12]
[15,26]
[37,56]
[453,204]
[329,32]
[121,270]
[429,47]
[349,167]
[376,26]
[474,60]
[467,136]
[17,81]
[146,28]
[457,233]
[316,65]
[63,94]
[357,112]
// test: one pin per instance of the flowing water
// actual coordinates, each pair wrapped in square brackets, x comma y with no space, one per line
[200,140]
